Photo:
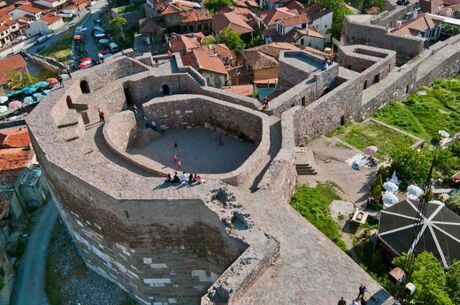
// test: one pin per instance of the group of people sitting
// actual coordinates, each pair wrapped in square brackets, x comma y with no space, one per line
[184,179]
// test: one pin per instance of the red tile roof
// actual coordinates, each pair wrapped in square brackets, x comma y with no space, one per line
[266,56]
[294,20]
[418,25]
[14,138]
[29,8]
[15,153]
[317,11]
[9,64]
[3,28]
[269,17]
[4,11]
[50,19]
[185,43]
[209,63]
[195,15]
[231,20]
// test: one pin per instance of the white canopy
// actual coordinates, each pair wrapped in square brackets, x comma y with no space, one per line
[390,186]
[389,199]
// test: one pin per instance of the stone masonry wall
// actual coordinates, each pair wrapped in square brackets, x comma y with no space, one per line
[168,251]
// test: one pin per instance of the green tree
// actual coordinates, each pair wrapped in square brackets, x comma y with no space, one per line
[232,40]
[453,282]
[214,5]
[411,165]
[429,279]
[118,27]
[17,80]
[209,40]
[454,202]
[339,11]
[377,193]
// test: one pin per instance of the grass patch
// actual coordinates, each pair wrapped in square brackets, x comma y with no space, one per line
[424,114]
[386,139]
[313,204]
[61,49]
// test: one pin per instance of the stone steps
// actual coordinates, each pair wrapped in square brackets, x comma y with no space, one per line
[70,119]
[305,169]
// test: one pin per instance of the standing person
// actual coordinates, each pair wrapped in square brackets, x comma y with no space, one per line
[190,179]
[59,78]
[67,70]
[179,165]
[175,144]
[362,291]
[175,158]
[342,301]
[101,115]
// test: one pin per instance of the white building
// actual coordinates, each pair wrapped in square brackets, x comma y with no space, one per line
[26,10]
[51,3]
[45,25]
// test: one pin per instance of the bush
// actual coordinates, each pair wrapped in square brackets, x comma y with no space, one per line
[313,204]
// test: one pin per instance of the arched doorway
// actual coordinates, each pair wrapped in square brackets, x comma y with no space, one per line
[69,102]
[165,89]
[84,87]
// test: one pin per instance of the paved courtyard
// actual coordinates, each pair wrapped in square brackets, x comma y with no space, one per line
[198,150]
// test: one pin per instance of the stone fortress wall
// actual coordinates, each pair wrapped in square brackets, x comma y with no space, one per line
[201,245]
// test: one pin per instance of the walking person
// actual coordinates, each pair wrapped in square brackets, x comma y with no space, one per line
[362,291]
[67,70]
[59,78]
[101,115]
[179,165]
[176,145]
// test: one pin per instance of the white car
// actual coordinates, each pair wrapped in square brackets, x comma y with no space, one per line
[42,38]
[20,38]
[99,34]
[81,29]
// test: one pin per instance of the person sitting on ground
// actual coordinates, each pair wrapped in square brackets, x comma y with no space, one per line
[169,179]
[190,179]
[176,178]
[183,178]
[342,301]
[198,179]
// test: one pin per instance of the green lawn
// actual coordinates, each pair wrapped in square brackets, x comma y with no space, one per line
[367,134]
[424,115]
[61,49]
[313,204]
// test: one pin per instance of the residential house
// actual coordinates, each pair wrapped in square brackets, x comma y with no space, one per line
[272,4]
[4,35]
[10,64]
[448,8]
[80,4]
[210,66]
[185,42]
[233,21]
[267,19]
[423,26]
[152,30]
[6,10]
[29,10]
[262,62]
[54,5]
[321,19]
[46,25]
[184,17]
[13,26]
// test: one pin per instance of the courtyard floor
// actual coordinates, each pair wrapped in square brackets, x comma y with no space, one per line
[329,160]
[198,150]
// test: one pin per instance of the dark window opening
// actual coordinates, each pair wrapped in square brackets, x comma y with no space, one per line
[342,120]
[303,101]
[127,214]
[389,68]
[376,78]
[84,87]
[365,84]
[407,89]
[165,89]
[129,100]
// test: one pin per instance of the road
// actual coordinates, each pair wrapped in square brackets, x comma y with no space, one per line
[88,17]
[30,278]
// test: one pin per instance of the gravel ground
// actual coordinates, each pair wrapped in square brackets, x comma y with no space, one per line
[77,284]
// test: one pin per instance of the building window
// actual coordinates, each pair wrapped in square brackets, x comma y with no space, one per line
[304,26]
[302,41]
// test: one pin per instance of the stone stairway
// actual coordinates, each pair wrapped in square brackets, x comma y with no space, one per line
[305,169]
[68,125]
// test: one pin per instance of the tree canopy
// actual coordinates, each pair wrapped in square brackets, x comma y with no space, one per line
[339,10]
[17,80]
[214,5]
[429,278]
[232,40]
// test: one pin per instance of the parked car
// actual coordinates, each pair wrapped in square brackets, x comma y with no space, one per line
[98,28]
[114,47]
[20,38]
[99,34]
[81,29]
[42,38]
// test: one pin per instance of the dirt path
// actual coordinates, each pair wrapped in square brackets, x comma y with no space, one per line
[30,279]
